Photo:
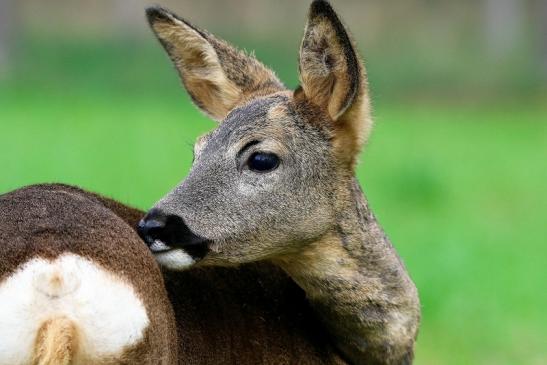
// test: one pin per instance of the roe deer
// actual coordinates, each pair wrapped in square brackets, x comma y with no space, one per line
[78,286]
[276,182]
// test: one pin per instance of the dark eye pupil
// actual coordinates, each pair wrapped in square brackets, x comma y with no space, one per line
[262,162]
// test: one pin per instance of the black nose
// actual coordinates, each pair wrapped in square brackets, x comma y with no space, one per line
[163,232]
[151,225]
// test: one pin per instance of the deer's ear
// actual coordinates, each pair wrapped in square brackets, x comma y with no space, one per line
[217,76]
[333,78]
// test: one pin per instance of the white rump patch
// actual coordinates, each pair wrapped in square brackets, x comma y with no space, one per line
[106,311]
[174,259]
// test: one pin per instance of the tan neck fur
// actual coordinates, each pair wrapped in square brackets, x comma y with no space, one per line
[359,286]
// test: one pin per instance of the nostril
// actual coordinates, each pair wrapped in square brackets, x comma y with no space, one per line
[151,226]
[149,230]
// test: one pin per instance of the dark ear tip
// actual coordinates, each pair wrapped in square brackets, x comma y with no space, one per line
[155,13]
[320,7]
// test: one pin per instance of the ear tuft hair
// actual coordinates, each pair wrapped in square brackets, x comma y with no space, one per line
[155,13]
[320,7]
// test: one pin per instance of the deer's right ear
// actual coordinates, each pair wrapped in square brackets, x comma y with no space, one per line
[217,76]
[332,77]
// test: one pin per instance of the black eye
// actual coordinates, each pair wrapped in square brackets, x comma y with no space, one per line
[263,162]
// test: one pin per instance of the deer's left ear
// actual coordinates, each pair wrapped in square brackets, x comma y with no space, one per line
[333,78]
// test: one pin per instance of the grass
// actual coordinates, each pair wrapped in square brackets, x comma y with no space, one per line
[460,189]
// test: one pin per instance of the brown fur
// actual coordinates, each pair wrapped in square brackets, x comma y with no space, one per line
[253,314]
[48,220]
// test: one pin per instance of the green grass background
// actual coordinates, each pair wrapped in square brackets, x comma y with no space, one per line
[459,187]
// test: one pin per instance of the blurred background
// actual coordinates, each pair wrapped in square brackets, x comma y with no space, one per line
[455,169]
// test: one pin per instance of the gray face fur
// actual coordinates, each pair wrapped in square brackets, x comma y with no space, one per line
[251,215]
[315,131]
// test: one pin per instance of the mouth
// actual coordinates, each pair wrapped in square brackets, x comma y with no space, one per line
[170,239]
[159,247]
[176,257]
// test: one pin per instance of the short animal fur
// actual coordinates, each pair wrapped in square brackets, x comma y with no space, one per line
[77,286]
[276,182]
[253,314]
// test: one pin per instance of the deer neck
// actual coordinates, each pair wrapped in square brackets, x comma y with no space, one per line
[358,285]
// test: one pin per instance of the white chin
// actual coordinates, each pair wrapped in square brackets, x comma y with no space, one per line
[175,259]
[158,246]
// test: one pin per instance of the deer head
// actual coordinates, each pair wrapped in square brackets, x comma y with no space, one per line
[268,180]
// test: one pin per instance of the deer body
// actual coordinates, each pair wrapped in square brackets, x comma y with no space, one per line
[276,182]
[77,286]
[97,296]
